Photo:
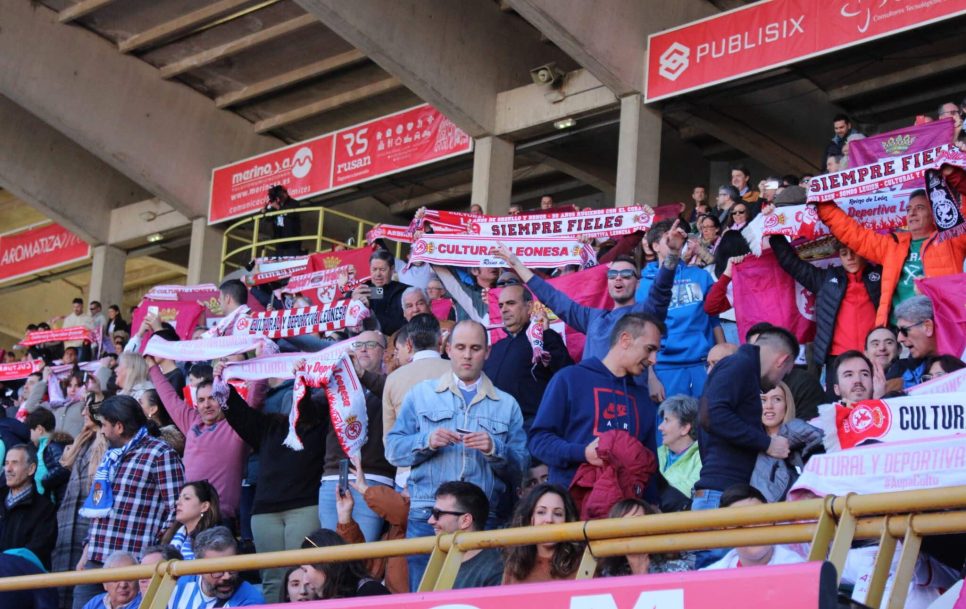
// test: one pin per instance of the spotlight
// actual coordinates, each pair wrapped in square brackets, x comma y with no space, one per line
[564,123]
[547,74]
[155,238]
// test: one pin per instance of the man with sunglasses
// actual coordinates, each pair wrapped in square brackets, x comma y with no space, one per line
[917,332]
[463,506]
[622,280]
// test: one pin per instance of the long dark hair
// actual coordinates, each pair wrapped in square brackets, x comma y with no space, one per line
[520,560]
[205,492]
[618,565]
[342,579]
[731,243]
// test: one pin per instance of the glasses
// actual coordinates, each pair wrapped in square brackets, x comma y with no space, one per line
[437,513]
[738,212]
[904,331]
[369,344]
[623,274]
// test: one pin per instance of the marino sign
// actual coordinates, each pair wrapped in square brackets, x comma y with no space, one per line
[773,33]
[39,249]
[356,154]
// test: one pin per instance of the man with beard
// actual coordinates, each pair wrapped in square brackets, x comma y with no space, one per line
[221,589]
[855,379]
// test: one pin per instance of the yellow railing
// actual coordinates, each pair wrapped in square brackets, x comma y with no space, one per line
[832,521]
[243,240]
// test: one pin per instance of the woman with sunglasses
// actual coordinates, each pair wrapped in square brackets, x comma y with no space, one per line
[346,579]
[81,458]
[741,214]
[545,504]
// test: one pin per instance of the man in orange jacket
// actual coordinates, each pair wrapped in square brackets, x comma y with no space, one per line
[904,255]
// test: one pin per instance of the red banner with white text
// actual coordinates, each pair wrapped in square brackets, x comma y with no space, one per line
[774,33]
[39,249]
[366,151]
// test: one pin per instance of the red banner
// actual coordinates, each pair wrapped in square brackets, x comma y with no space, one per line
[764,292]
[39,249]
[366,151]
[320,281]
[394,143]
[239,189]
[58,335]
[813,583]
[774,33]
[20,370]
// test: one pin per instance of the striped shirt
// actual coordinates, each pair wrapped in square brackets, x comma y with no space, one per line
[188,595]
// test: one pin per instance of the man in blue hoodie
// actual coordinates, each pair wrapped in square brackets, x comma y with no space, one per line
[596,396]
[622,278]
[690,331]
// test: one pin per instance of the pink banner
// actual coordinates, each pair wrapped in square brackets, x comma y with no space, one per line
[183,316]
[764,292]
[948,383]
[907,140]
[813,585]
[948,294]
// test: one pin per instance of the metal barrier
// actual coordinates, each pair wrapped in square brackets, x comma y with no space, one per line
[830,524]
[242,240]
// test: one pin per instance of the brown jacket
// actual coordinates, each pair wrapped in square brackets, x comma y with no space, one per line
[394,509]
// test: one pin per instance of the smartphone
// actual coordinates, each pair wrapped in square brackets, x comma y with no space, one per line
[377,293]
[153,310]
[343,477]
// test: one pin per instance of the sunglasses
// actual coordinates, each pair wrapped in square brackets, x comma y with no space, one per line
[739,212]
[623,274]
[904,331]
[437,513]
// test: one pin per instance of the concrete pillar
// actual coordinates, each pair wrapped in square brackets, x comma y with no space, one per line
[492,175]
[107,275]
[204,257]
[638,153]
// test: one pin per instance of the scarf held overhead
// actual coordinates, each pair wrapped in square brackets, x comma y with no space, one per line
[470,251]
[304,320]
[347,402]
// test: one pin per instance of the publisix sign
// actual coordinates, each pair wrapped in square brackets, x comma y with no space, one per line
[772,33]
[390,144]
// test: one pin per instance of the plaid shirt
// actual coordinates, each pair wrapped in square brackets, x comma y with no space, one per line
[146,487]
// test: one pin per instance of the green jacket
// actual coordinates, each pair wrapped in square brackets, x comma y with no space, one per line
[684,472]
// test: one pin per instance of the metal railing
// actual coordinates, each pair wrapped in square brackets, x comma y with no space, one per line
[831,525]
[243,240]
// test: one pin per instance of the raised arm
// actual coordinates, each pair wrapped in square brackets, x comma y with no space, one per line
[177,409]
[811,277]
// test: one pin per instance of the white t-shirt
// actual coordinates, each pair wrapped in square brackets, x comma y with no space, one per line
[781,556]
[928,581]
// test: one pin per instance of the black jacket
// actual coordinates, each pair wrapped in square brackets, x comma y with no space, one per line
[57,475]
[829,287]
[30,523]
[510,368]
[388,309]
[730,432]
[287,479]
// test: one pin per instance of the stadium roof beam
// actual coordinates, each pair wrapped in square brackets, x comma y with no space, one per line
[171,137]
[612,44]
[467,52]
[53,174]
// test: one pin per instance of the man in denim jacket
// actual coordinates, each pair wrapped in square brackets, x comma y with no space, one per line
[457,427]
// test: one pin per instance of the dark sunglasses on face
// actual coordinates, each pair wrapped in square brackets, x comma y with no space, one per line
[904,331]
[437,513]
[739,212]
[623,274]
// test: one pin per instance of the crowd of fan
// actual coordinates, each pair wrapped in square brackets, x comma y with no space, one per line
[666,411]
